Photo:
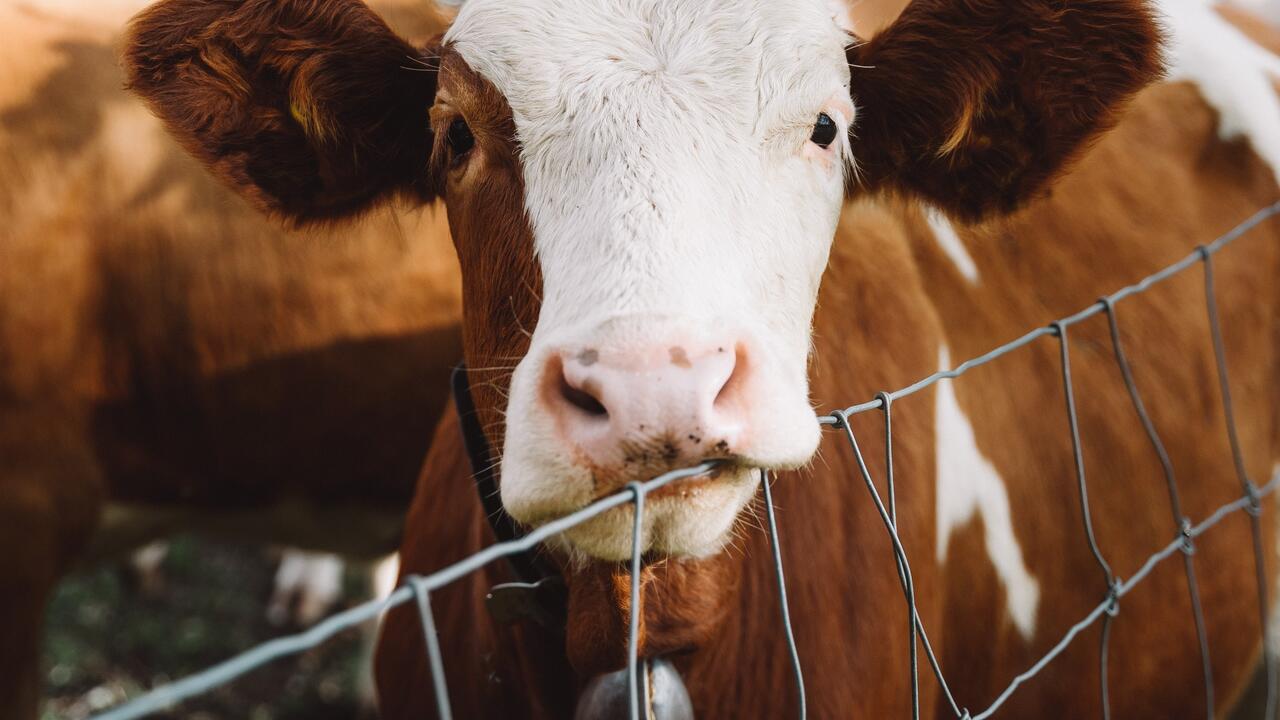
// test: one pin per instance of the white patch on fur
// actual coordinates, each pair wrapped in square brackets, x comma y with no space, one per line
[969,484]
[384,574]
[668,189]
[382,581]
[1266,9]
[1233,73]
[945,234]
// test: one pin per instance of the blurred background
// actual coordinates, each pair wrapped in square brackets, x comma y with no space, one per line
[123,627]
[268,379]
[240,389]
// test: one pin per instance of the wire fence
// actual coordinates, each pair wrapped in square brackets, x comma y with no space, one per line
[418,589]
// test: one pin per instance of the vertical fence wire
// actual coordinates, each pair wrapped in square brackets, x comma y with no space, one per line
[1082,485]
[900,557]
[1181,522]
[1247,486]
[913,651]
[423,597]
[633,632]
[802,709]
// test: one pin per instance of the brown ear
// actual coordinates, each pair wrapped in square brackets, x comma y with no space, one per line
[975,105]
[312,109]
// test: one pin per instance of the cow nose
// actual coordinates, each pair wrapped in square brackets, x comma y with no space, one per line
[653,408]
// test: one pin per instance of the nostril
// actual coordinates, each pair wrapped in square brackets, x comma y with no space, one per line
[581,391]
[733,378]
[582,399]
[566,383]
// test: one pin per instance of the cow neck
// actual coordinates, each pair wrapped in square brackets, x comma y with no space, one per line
[540,595]
[526,565]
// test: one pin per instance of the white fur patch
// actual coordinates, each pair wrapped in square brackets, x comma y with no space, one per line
[1266,9]
[1233,73]
[969,484]
[945,234]
[383,576]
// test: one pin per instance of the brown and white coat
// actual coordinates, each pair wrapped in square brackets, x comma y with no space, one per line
[644,197]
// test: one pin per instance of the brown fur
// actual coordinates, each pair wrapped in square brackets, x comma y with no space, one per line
[975,106]
[717,617]
[449,525]
[848,606]
[163,345]
[501,281]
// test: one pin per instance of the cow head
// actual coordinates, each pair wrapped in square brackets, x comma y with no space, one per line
[642,193]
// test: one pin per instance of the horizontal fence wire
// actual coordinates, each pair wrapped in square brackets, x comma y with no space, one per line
[418,588]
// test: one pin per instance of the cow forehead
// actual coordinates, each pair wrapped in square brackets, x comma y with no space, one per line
[746,64]
[643,122]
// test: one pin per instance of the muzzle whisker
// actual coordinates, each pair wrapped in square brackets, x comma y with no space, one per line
[482,471]
[515,315]
[512,358]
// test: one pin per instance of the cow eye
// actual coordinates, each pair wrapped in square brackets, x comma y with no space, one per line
[460,139]
[824,131]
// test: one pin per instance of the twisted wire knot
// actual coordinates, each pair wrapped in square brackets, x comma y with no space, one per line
[1255,499]
[1113,597]
[1188,542]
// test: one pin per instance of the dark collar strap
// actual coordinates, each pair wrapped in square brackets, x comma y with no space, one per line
[527,566]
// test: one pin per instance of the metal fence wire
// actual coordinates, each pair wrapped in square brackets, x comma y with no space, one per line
[418,589]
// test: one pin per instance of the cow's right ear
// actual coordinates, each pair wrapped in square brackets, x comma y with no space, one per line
[312,110]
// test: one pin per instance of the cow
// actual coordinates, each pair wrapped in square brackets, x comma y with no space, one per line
[169,360]
[683,224]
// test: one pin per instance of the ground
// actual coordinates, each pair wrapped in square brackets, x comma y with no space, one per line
[107,638]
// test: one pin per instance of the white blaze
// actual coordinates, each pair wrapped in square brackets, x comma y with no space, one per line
[969,485]
[1234,74]
[949,240]
[1268,9]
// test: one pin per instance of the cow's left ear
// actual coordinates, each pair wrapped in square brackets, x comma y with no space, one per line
[312,110]
[974,105]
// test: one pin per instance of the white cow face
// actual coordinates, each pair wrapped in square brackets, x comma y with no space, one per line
[683,168]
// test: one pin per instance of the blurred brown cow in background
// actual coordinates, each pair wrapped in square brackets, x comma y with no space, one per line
[169,360]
